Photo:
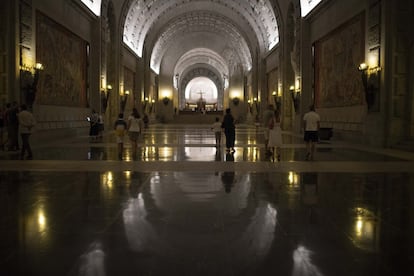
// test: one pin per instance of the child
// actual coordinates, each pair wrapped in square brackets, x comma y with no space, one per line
[216,127]
[120,129]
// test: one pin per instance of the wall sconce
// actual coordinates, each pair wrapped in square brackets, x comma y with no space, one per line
[124,99]
[256,103]
[105,93]
[257,107]
[249,104]
[369,77]
[236,101]
[29,77]
[176,77]
[145,104]
[295,94]
[277,98]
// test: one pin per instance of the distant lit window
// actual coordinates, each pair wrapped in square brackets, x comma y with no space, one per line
[93,5]
[308,5]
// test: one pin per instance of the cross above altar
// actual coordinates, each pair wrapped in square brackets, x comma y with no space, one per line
[201,94]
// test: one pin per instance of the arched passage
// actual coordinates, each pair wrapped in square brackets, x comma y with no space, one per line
[200,94]
[201,80]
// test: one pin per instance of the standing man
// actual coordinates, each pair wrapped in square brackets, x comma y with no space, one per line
[229,130]
[311,124]
[26,124]
[267,117]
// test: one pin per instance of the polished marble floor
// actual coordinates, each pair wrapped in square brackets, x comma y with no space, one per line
[183,207]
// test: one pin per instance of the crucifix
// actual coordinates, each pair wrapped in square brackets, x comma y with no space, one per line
[201,94]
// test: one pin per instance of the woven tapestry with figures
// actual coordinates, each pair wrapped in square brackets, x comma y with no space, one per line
[337,56]
[64,57]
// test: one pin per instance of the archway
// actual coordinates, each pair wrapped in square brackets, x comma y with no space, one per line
[200,94]
[201,89]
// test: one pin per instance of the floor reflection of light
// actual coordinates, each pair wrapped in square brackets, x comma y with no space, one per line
[164,152]
[127,156]
[253,154]
[107,180]
[148,152]
[200,153]
[259,235]
[293,179]
[41,220]
[127,174]
[358,228]
[138,230]
[92,263]
[302,263]
[364,229]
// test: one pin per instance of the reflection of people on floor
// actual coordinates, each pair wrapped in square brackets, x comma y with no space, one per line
[310,193]
[227,178]
[96,153]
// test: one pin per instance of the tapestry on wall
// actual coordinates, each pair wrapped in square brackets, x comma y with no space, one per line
[337,56]
[64,57]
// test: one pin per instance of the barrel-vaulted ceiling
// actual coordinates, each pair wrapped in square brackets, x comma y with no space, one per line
[232,30]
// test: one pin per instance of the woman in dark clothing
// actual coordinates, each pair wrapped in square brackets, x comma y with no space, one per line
[229,130]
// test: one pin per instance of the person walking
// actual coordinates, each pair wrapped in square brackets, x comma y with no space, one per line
[135,125]
[26,124]
[120,128]
[101,127]
[275,135]
[216,128]
[267,116]
[12,123]
[229,130]
[94,126]
[311,125]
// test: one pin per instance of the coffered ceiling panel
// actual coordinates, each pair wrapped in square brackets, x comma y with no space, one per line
[201,23]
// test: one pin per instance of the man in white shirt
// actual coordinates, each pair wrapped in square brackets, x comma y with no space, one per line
[311,124]
[26,124]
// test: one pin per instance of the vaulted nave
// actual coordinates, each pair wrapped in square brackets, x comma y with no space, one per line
[181,204]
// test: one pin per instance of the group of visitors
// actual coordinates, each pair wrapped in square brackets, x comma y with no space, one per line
[272,131]
[15,120]
[229,126]
[133,127]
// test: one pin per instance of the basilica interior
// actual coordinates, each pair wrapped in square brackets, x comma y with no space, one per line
[183,205]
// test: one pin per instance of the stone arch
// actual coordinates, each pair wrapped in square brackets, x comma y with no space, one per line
[211,74]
